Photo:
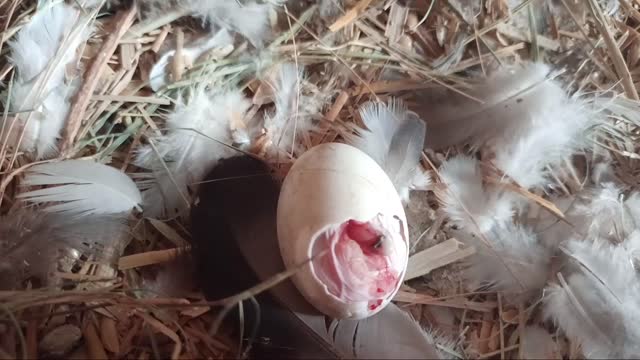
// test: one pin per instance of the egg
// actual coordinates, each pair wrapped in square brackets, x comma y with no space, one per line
[338,207]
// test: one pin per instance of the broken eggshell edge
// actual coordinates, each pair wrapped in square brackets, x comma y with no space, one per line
[328,185]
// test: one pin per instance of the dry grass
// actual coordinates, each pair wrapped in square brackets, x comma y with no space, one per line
[429,44]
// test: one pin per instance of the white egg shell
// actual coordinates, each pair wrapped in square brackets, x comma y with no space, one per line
[330,184]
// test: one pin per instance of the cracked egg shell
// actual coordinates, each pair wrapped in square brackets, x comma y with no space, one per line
[337,204]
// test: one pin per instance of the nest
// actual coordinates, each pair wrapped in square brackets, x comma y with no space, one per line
[131,298]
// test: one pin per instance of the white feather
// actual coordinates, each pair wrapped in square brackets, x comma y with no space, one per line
[554,134]
[523,116]
[81,188]
[595,213]
[248,18]
[198,135]
[499,104]
[632,208]
[537,343]
[159,75]
[447,345]
[603,213]
[42,50]
[394,138]
[598,306]
[512,261]
[550,229]
[296,111]
[466,201]
[602,173]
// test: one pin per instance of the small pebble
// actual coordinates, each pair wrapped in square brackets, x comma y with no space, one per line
[61,340]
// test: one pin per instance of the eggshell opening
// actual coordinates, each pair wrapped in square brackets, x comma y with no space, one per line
[363,261]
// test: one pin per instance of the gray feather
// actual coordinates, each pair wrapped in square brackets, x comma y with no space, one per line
[394,138]
[499,104]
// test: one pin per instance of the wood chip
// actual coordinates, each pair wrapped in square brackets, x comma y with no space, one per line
[149,258]
[95,347]
[435,257]
[494,337]
[396,22]
[485,333]
[177,63]
[160,39]
[415,298]
[168,232]
[127,56]
[160,327]
[516,34]
[510,316]
[196,311]
[109,335]
[330,117]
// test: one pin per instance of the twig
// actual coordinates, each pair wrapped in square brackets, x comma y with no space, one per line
[148,258]
[614,51]
[122,23]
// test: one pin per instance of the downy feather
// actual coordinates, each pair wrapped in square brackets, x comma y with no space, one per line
[603,213]
[394,138]
[512,261]
[597,308]
[500,104]
[297,107]
[81,187]
[467,202]
[600,212]
[198,135]
[25,255]
[554,134]
[550,229]
[523,116]
[537,343]
[159,75]
[248,18]
[41,52]
[448,346]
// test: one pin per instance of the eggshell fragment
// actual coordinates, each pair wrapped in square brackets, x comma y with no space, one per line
[337,200]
